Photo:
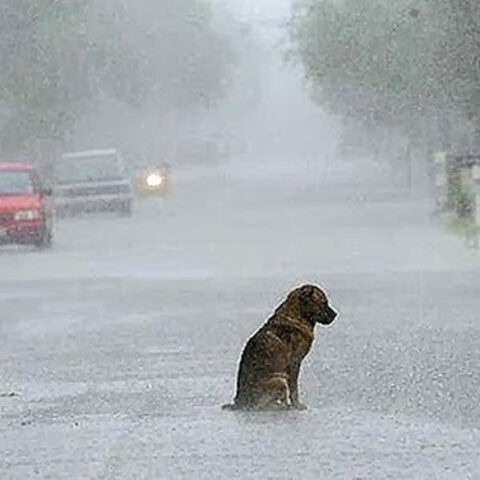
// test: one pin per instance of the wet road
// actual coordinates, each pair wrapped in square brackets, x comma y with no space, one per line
[122,342]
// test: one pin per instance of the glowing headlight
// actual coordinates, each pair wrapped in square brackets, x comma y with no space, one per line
[154,180]
[27,215]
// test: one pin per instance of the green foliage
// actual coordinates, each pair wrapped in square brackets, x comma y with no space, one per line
[463,203]
[59,56]
[390,63]
[466,228]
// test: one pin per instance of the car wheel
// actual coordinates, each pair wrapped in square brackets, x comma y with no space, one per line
[45,240]
[126,208]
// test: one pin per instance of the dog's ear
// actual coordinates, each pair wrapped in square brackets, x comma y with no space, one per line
[306,292]
[313,293]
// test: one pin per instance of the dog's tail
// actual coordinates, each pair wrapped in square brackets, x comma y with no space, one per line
[230,406]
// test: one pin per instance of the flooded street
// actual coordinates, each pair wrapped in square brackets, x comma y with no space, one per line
[122,342]
[248,147]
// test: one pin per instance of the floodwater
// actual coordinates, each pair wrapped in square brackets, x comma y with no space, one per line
[121,343]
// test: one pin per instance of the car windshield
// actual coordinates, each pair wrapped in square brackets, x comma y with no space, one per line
[90,169]
[16,183]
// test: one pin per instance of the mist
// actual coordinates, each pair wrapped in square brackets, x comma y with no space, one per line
[173,174]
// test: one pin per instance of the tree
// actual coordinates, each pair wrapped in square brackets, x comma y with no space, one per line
[396,64]
[39,73]
[59,56]
[460,51]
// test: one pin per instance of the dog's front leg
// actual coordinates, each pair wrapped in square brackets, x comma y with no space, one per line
[293,384]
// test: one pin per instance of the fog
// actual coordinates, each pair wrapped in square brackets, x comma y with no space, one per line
[170,171]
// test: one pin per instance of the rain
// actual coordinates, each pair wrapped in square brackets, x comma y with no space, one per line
[170,170]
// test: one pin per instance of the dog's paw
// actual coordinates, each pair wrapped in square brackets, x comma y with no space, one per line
[299,406]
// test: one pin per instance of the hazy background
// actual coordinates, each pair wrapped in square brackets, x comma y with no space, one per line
[298,155]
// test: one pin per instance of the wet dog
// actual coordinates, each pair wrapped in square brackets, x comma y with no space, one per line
[270,362]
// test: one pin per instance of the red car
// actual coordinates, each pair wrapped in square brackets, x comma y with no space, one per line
[25,211]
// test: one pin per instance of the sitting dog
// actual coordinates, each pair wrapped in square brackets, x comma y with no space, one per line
[270,363]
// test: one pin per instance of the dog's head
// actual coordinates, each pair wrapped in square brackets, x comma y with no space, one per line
[313,304]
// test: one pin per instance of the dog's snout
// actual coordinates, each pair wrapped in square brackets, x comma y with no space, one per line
[331,314]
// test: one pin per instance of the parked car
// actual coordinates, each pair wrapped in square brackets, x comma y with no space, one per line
[92,181]
[26,214]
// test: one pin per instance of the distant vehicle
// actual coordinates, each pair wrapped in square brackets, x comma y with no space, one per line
[92,181]
[154,181]
[26,214]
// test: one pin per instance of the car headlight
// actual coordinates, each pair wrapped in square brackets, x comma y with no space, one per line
[27,215]
[154,180]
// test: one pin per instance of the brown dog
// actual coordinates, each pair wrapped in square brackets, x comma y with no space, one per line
[270,363]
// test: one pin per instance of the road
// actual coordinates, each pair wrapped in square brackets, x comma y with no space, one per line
[121,343]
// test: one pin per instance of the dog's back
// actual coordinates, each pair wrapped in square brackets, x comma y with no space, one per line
[264,356]
[264,363]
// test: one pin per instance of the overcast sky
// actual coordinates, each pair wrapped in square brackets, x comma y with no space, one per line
[259,9]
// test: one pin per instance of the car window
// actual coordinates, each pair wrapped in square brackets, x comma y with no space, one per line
[16,183]
[91,169]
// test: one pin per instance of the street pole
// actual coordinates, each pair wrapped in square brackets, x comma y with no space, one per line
[408,158]
[476,187]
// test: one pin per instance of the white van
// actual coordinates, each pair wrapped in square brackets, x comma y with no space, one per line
[92,181]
